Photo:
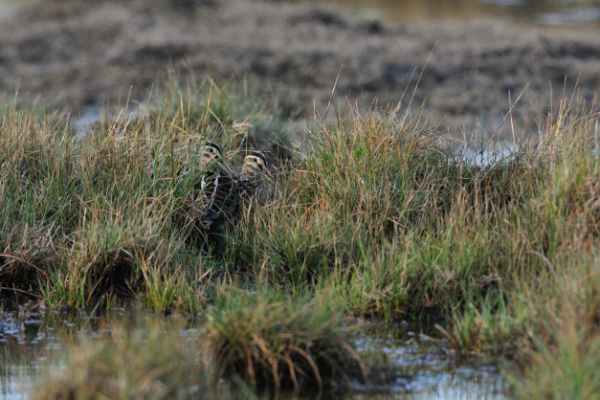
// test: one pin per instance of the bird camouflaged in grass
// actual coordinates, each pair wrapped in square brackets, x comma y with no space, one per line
[219,191]
[253,175]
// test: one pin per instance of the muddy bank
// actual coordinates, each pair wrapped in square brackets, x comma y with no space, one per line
[89,53]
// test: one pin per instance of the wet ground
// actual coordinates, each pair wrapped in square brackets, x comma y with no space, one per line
[417,366]
[422,367]
[84,54]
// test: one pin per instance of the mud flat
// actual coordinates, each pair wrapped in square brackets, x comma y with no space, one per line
[88,54]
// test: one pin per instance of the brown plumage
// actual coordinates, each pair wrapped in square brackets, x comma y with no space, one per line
[218,191]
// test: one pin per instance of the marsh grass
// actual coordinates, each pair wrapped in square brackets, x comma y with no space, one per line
[140,362]
[385,217]
[106,215]
[281,343]
[380,215]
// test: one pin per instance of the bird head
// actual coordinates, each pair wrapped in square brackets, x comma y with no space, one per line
[212,152]
[256,163]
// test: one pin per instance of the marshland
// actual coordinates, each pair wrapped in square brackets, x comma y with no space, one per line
[430,226]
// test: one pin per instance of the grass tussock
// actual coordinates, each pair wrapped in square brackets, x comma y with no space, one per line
[281,343]
[377,214]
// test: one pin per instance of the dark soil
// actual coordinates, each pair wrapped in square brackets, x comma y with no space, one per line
[88,53]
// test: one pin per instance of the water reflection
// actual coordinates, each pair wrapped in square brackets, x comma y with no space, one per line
[419,366]
[584,13]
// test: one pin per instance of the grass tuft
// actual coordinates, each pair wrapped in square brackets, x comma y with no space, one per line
[281,344]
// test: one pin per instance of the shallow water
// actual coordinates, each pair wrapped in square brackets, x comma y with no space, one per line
[561,13]
[32,341]
[416,365]
[419,366]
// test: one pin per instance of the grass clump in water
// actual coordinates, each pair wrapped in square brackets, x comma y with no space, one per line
[281,343]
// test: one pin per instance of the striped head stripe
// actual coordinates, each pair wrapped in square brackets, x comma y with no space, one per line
[215,146]
[261,155]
